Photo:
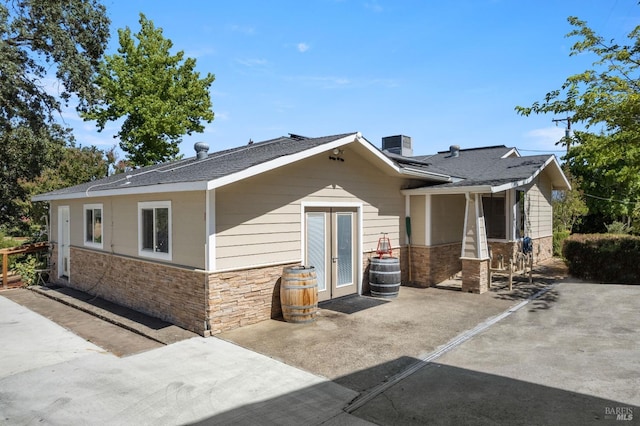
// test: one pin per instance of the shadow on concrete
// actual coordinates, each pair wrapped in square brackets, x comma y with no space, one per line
[436,394]
[95,301]
[127,318]
[352,304]
[523,290]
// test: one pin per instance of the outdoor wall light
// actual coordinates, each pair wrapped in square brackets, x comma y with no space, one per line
[337,155]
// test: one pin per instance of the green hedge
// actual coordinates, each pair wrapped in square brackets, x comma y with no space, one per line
[558,241]
[603,258]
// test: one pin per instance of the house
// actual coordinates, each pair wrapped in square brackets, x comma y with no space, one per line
[202,242]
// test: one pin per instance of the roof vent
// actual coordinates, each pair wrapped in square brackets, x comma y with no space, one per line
[399,144]
[455,151]
[201,150]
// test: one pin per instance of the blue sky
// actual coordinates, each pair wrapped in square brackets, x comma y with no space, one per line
[445,72]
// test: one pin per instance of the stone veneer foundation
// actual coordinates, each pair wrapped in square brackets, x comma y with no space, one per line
[210,303]
[475,275]
[239,298]
[173,294]
[542,250]
[431,265]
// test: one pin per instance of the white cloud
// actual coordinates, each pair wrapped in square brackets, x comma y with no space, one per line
[373,6]
[303,47]
[199,53]
[221,116]
[545,138]
[334,82]
[252,62]
[244,29]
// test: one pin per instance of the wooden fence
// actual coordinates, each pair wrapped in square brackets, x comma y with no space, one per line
[23,249]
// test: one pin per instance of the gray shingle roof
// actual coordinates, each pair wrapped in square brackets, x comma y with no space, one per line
[473,167]
[478,166]
[216,165]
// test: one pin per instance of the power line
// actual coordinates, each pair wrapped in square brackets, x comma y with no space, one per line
[541,150]
[611,200]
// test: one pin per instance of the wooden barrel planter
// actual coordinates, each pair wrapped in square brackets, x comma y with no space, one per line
[384,276]
[299,294]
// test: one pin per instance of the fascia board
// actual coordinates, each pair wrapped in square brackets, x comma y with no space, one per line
[136,190]
[447,190]
[420,173]
[523,182]
[512,151]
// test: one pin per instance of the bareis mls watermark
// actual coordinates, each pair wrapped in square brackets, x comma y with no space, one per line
[618,413]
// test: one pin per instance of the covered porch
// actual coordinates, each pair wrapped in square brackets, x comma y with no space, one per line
[466,232]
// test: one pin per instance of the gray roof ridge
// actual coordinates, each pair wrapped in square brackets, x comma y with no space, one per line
[478,148]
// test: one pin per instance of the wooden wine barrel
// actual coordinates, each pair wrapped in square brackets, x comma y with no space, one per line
[384,276]
[299,294]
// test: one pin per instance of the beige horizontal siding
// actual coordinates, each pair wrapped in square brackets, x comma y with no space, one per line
[418,220]
[258,220]
[120,224]
[539,205]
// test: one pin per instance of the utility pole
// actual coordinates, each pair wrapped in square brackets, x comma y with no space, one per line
[567,132]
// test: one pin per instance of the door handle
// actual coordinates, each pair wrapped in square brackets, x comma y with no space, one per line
[334,259]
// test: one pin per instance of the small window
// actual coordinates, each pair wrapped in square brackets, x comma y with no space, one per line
[93,225]
[154,226]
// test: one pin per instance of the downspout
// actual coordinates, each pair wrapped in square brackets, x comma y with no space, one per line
[407,208]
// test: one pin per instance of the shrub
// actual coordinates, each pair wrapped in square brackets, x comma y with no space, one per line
[26,268]
[618,228]
[604,258]
[558,240]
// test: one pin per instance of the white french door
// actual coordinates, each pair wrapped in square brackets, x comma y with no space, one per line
[331,248]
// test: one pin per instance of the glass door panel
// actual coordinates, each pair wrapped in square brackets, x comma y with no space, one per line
[316,247]
[344,236]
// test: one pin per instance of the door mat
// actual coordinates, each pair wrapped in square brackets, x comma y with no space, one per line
[352,304]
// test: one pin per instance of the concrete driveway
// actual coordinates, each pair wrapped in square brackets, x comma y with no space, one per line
[49,375]
[360,342]
[569,356]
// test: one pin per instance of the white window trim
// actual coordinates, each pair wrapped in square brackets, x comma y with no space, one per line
[150,253]
[84,221]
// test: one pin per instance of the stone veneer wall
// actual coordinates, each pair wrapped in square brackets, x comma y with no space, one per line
[173,294]
[239,298]
[542,250]
[506,249]
[475,275]
[432,265]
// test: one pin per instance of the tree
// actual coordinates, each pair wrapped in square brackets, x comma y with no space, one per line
[568,207]
[42,40]
[159,95]
[606,99]
[78,165]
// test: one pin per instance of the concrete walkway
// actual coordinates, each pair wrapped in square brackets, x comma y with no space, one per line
[569,356]
[48,375]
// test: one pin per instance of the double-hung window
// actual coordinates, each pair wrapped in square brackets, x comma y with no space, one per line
[154,229]
[93,225]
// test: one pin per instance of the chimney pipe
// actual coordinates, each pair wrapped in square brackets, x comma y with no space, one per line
[201,150]
[455,151]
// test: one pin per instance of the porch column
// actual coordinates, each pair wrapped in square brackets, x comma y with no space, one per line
[475,251]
